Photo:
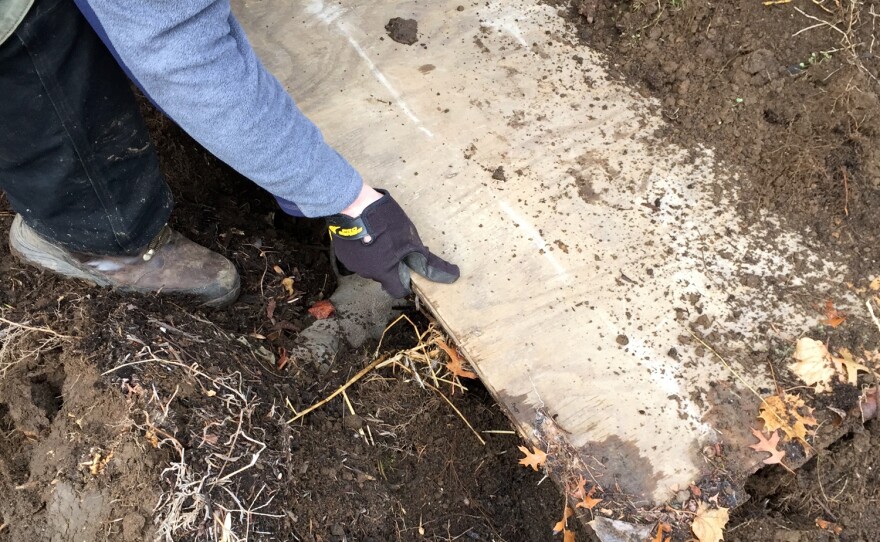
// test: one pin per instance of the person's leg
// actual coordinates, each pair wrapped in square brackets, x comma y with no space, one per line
[77,164]
[75,156]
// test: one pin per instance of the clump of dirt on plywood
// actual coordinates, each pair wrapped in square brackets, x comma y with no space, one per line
[786,94]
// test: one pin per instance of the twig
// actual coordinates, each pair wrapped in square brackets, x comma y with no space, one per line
[440,393]
[729,368]
[37,329]
[419,336]
[460,415]
[362,373]
[254,458]
[822,23]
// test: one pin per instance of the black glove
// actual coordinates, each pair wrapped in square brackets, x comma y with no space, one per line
[393,249]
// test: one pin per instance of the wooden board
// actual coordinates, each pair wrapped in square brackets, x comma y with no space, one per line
[589,247]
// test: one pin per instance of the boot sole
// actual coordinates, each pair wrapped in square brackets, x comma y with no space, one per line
[29,247]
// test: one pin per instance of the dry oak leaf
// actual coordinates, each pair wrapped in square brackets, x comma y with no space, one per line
[536,458]
[875,284]
[322,310]
[833,317]
[579,491]
[769,446]
[850,365]
[662,529]
[812,363]
[568,536]
[562,524]
[708,525]
[589,501]
[455,365]
[785,412]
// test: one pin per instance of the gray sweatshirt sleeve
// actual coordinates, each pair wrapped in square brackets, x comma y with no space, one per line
[194,61]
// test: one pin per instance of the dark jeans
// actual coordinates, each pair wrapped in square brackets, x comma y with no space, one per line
[75,157]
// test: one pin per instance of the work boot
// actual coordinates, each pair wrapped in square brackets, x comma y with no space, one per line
[171,264]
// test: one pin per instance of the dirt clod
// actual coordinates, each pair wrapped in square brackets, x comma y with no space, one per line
[405,31]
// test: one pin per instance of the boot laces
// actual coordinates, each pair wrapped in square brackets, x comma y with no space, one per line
[158,242]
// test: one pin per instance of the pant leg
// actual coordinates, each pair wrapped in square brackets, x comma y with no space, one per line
[75,156]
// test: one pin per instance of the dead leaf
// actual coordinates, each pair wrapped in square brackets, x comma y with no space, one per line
[287,283]
[662,529]
[562,523]
[708,525]
[851,366]
[833,317]
[812,363]
[789,413]
[455,365]
[270,309]
[568,536]
[278,270]
[283,360]
[534,459]
[579,491]
[769,446]
[589,501]
[828,526]
[875,284]
[322,310]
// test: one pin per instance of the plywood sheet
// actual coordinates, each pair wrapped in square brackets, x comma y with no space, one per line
[591,250]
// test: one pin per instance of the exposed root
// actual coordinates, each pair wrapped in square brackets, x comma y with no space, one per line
[16,347]
[845,17]
[431,343]
[204,494]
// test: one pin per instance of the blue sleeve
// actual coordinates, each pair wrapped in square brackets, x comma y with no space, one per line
[194,61]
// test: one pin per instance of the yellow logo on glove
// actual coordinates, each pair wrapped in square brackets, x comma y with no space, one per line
[345,232]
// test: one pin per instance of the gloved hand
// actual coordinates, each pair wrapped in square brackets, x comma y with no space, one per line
[382,244]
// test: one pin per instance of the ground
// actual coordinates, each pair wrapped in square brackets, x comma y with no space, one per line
[786,95]
[200,401]
[128,418]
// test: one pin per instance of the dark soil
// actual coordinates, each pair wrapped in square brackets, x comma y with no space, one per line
[796,117]
[793,114]
[167,440]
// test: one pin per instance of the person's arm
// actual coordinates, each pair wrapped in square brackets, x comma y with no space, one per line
[192,59]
